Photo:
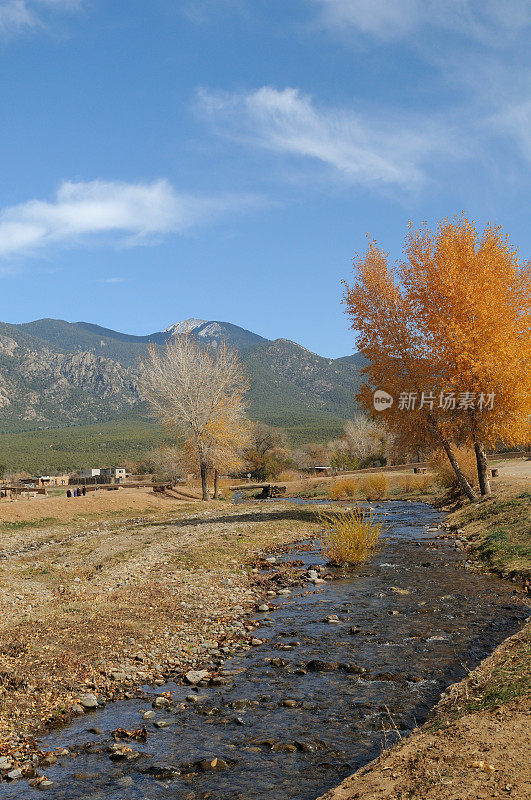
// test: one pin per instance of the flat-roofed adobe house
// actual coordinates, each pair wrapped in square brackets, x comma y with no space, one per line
[45,480]
[322,470]
[100,475]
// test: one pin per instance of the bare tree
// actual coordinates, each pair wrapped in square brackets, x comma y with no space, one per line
[198,392]
[362,440]
[166,463]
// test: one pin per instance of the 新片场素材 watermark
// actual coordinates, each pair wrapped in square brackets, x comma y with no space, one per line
[447,401]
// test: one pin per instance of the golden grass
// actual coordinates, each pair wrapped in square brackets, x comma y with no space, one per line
[343,488]
[373,487]
[415,484]
[350,534]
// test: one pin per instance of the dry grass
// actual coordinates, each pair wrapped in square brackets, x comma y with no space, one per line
[343,489]
[445,474]
[350,534]
[60,509]
[374,487]
[288,475]
[498,531]
[415,484]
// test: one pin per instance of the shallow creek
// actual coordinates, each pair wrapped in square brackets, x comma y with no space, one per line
[411,644]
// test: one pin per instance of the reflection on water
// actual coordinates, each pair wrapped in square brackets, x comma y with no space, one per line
[410,622]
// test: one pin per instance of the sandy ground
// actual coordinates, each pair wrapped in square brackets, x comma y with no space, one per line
[61,509]
[514,468]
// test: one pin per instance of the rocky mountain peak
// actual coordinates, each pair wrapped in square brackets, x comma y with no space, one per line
[185,326]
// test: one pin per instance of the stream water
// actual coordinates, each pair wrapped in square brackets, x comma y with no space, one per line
[375,675]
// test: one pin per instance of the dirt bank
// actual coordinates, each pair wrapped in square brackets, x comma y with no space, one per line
[45,511]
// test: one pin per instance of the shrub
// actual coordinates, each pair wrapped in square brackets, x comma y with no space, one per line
[343,488]
[445,474]
[350,534]
[373,487]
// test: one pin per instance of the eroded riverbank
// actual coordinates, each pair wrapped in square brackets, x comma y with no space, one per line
[345,668]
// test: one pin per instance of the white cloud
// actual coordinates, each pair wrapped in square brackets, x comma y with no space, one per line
[487,20]
[134,212]
[19,15]
[356,146]
[110,280]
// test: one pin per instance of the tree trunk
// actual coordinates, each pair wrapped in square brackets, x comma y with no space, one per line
[466,488]
[483,471]
[216,484]
[463,483]
[204,481]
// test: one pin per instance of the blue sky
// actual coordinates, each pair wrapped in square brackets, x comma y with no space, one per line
[224,159]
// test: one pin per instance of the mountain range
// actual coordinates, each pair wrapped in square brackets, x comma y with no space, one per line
[55,374]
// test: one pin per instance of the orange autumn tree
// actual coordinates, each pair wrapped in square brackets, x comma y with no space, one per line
[382,315]
[471,299]
[447,334]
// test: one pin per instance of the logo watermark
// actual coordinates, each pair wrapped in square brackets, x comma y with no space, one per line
[382,400]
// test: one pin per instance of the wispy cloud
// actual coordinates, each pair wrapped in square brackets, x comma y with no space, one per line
[492,21]
[514,122]
[110,280]
[132,212]
[20,15]
[357,147]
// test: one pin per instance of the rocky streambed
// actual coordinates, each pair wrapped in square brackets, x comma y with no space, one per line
[336,670]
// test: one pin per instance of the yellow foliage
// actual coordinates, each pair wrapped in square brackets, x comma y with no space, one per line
[373,487]
[288,475]
[350,534]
